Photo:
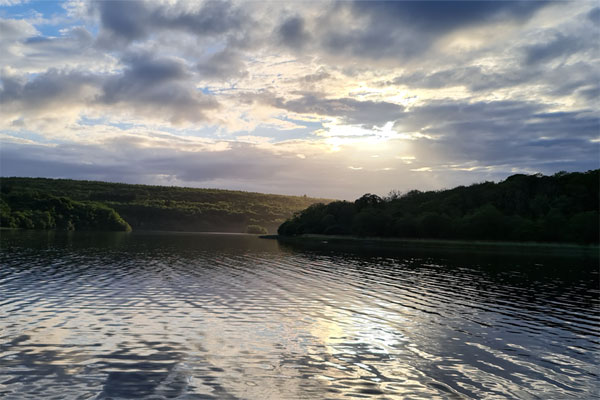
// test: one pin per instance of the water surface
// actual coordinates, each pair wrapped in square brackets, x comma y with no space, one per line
[200,316]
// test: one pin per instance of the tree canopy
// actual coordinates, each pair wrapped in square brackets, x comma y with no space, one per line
[559,208]
[41,203]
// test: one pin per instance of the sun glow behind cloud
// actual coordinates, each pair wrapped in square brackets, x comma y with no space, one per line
[279,97]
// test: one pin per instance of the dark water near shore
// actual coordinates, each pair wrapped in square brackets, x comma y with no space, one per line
[198,316]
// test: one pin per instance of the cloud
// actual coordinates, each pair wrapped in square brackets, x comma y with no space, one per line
[536,79]
[11,33]
[132,20]
[444,16]
[404,30]
[8,3]
[154,86]
[49,91]
[157,86]
[225,64]
[350,111]
[318,76]
[124,19]
[243,166]
[292,32]
[560,46]
[594,15]
[132,160]
[270,95]
[27,50]
[11,29]
[507,132]
[475,78]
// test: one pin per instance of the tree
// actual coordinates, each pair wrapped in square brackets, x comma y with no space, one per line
[433,225]
[368,200]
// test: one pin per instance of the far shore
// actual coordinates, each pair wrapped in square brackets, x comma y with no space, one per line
[333,241]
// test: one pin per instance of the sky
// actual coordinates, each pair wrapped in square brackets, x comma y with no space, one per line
[328,99]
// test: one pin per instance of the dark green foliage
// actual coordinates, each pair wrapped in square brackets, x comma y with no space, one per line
[486,223]
[370,221]
[559,208]
[256,229]
[143,207]
[434,225]
[29,209]
[583,227]
[368,201]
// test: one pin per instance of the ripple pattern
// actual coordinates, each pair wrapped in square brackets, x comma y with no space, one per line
[199,316]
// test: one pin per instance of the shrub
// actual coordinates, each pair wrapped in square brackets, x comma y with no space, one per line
[256,229]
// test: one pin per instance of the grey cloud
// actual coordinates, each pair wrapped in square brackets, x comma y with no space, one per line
[215,17]
[506,132]
[50,89]
[499,120]
[318,76]
[594,16]
[134,20]
[366,113]
[154,86]
[11,89]
[75,44]
[559,46]
[376,42]
[12,32]
[444,16]
[590,93]
[292,32]
[223,65]
[18,123]
[143,70]
[474,78]
[563,80]
[25,50]
[38,39]
[81,34]
[15,29]
[36,161]
[126,160]
[157,85]
[388,29]
[570,79]
[244,167]
[126,19]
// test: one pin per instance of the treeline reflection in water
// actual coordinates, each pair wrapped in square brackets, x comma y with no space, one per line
[162,315]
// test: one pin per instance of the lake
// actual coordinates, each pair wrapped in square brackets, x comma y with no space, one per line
[201,316]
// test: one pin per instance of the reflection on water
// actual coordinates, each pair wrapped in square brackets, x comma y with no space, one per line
[197,316]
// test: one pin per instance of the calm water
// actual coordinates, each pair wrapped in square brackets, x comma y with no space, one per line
[199,316]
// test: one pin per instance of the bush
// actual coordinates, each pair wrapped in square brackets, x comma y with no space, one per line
[256,229]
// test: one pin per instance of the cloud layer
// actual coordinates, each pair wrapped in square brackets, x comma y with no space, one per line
[333,100]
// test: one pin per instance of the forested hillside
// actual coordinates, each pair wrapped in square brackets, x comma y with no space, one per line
[40,203]
[559,208]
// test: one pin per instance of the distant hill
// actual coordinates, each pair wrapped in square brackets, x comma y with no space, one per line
[559,208]
[41,203]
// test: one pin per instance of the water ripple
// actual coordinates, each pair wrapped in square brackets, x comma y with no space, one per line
[197,316]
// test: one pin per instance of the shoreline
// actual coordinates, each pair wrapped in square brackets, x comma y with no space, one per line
[374,243]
